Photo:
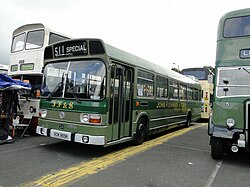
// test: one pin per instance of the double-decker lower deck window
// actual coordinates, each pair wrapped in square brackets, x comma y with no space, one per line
[233,81]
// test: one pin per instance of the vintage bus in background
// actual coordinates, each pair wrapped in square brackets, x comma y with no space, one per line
[205,76]
[26,62]
[4,69]
[229,123]
[96,94]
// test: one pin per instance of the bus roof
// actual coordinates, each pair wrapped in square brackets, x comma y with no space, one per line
[233,41]
[33,26]
[117,54]
[28,27]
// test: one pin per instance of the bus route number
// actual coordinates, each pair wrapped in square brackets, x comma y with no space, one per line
[70,49]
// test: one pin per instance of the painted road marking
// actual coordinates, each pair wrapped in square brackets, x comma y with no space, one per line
[83,169]
[213,174]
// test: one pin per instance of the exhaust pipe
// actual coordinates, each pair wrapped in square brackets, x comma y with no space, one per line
[234,149]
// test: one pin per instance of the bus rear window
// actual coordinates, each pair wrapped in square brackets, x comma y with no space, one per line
[237,27]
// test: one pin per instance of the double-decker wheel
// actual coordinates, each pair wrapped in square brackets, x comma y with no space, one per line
[216,148]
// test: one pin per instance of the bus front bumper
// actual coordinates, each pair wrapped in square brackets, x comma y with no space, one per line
[236,136]
[74,137]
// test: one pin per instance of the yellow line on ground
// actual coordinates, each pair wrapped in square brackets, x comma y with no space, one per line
[83,169]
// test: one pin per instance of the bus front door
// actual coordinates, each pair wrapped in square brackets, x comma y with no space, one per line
[120,106]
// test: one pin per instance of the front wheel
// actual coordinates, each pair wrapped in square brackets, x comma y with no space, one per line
[217,148]
[140,135]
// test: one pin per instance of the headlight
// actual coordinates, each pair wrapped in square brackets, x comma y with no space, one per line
[91,118]
[230,122]
[43,113]
[84,118]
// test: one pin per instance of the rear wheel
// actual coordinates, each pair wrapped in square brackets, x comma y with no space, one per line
[140,135]
[217,149]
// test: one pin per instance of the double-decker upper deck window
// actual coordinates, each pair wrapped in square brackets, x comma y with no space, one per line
[145,84]
[35,39]
[237,27]
[199,74]
[18,43]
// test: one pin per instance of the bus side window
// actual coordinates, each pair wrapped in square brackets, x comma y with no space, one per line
[145,84]
[173,90]
[161,87]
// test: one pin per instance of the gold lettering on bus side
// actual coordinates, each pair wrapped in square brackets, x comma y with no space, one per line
[183,107]
[173,105]
[54,104]
[161,105]
[71,105]
[59,104]
[65,105]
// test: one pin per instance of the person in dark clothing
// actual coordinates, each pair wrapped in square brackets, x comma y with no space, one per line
[8,111]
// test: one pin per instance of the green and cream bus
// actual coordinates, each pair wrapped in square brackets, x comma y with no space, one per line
[229,122]
[96,94]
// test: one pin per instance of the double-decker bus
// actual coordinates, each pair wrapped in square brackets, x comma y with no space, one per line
[4,69]
[26,62]
[205,77]
[96,94]
[229,123]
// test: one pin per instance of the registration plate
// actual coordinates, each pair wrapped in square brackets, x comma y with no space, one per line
[60,135]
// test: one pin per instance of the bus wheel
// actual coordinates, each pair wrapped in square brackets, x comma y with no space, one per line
[216,148]
[140,135]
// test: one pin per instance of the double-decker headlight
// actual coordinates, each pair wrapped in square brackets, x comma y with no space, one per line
[43,113]
[91,118]
[230,123]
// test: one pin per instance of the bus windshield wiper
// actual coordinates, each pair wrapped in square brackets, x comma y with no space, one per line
[59,87]
[74,95]
[76,98]
[245,70]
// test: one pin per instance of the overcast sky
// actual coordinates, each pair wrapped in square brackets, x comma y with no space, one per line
[162,31]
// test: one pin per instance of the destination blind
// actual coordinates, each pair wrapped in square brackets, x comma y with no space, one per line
[75,48]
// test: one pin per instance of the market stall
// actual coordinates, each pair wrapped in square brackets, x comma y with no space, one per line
[9,89]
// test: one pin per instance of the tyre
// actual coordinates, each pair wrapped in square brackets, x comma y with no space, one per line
[140,135]
[217,148]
